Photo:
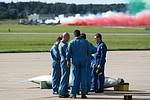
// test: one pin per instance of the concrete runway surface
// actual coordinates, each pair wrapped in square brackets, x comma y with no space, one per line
[132,66]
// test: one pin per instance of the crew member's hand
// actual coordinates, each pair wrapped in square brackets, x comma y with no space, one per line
[99,67]
[69,64]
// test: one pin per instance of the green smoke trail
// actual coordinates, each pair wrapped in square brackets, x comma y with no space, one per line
[136,6]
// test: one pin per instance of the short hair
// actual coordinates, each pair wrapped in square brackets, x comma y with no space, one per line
[83,35]
[76,33]
[64,34]
[98,35]
[58,38]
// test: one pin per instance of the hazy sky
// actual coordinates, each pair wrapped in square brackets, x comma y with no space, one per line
[73,1]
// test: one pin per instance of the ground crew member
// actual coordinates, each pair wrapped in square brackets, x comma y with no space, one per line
[99,64]
[56,75]
[78,49]
[93,50]
[65,70]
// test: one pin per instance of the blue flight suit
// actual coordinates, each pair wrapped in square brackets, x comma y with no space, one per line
[56,75]
[99,59]
[65,70]
[90,57]
[78,49]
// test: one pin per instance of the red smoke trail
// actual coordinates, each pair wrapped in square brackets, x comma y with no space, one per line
[111,19]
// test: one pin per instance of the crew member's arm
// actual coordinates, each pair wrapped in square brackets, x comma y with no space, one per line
[102,50]
[55,53]
[68,55]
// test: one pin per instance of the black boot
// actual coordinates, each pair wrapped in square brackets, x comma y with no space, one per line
[83,96]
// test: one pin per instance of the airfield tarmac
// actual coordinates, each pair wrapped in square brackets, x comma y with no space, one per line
[132,66]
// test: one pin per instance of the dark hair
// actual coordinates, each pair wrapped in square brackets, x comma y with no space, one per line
[76,33]
[98,35]
[58,38]
[83,35]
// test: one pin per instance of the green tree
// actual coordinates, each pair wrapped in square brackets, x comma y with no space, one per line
[72,9]
[13,13]
[23,9]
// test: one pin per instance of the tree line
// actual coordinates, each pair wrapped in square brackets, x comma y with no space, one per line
[23,9]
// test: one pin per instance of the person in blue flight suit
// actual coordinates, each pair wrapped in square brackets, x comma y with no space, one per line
[90,57]
[99,65]
[56,75]
[65,70]
[78,49]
